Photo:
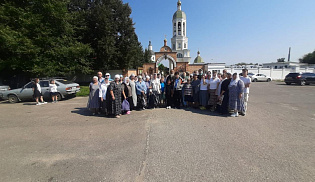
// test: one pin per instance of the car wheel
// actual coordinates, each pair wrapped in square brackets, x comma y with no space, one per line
[255,80]
[13,99]
[302,83]
[287,83]
[268,80]
[59,97]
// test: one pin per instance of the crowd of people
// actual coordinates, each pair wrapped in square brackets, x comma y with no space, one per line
[224,93]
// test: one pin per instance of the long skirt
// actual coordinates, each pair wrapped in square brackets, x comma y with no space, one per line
[203,97]
[130,100]
[235,103]
[115,106]
[142,101]
[213,98]
[196,97]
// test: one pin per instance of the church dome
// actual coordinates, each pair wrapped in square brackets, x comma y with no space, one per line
[179,14]
[198,59]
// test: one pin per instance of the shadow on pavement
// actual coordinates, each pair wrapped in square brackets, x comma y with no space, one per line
[204,112]
[83,111]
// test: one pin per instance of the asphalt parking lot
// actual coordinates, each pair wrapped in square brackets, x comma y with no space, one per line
[62,142]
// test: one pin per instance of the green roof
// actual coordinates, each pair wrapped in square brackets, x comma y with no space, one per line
[198,60]
[179,14]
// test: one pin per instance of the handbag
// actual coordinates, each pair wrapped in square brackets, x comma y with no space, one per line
[125,106]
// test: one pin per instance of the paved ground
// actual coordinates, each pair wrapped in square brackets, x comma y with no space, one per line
[61,142]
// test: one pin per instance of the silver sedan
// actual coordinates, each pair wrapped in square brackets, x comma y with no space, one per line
[64,87]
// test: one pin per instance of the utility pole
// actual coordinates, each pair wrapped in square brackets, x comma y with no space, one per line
[289,56]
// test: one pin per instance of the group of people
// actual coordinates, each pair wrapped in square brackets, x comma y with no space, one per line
[224,92]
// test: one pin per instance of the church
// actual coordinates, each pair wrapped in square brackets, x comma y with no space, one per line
[177,52]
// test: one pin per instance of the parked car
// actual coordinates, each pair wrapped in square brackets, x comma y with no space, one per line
[64,87]
[300,78]
[4,88]
[260,77]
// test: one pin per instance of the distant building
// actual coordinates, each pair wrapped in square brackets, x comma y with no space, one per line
[281,65]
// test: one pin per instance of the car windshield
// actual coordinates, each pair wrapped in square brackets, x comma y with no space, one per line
[65,81]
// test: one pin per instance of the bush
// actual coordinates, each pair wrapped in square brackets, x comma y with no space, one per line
[84,91]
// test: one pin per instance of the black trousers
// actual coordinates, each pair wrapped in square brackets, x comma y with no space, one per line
[169,100]
[177,98]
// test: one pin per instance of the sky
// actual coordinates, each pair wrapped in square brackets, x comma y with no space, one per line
[231,31]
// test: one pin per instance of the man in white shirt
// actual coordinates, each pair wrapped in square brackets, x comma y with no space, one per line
[247,81]
[156,90]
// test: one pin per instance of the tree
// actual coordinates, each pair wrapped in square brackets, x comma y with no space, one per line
[106,26]
[308,58]
[147,56]
[37,39]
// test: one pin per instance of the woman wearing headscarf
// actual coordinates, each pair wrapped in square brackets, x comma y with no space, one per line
[236,88]
[103,94]
[115,100]
[203,93]
[132,83]
[141,93]
[94,100]
[128,91]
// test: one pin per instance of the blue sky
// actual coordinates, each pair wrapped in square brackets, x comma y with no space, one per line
[232,31]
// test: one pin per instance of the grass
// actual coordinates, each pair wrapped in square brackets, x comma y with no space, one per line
[84,91]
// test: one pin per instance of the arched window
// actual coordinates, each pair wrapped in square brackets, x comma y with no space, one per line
[179,55]
[184,29]
[179,28]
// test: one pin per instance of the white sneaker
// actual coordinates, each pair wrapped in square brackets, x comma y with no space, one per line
[38,104]
[44,102]
[234,115]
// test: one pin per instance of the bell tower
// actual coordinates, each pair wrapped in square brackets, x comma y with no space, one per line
[180,39]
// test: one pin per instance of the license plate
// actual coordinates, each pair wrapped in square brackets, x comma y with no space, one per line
[73,88]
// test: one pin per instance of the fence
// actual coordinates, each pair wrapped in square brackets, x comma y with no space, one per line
[276,74]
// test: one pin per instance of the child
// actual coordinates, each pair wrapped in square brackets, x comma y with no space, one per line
[53,91]
[188,93]
[169,94]
[38,93]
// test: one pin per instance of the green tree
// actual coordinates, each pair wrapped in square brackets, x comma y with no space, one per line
[37,39]
[308,58]
[106,26]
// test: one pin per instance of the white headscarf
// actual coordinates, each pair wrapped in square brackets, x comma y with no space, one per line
[125,81]
[117,76]
[234,82]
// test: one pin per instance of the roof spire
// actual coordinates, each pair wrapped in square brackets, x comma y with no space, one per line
[179,5]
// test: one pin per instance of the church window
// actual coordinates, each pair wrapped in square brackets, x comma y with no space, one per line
[179,45]
[174,28]
[185,45]
[179,28]
[179,55]
[174,47]
[184,27]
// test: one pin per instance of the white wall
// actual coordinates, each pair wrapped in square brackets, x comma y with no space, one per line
[276,74]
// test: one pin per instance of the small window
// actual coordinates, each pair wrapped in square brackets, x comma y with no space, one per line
[174,47]
[179,55]
[179,46]
[29,85]
[185,46]
[44,83]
